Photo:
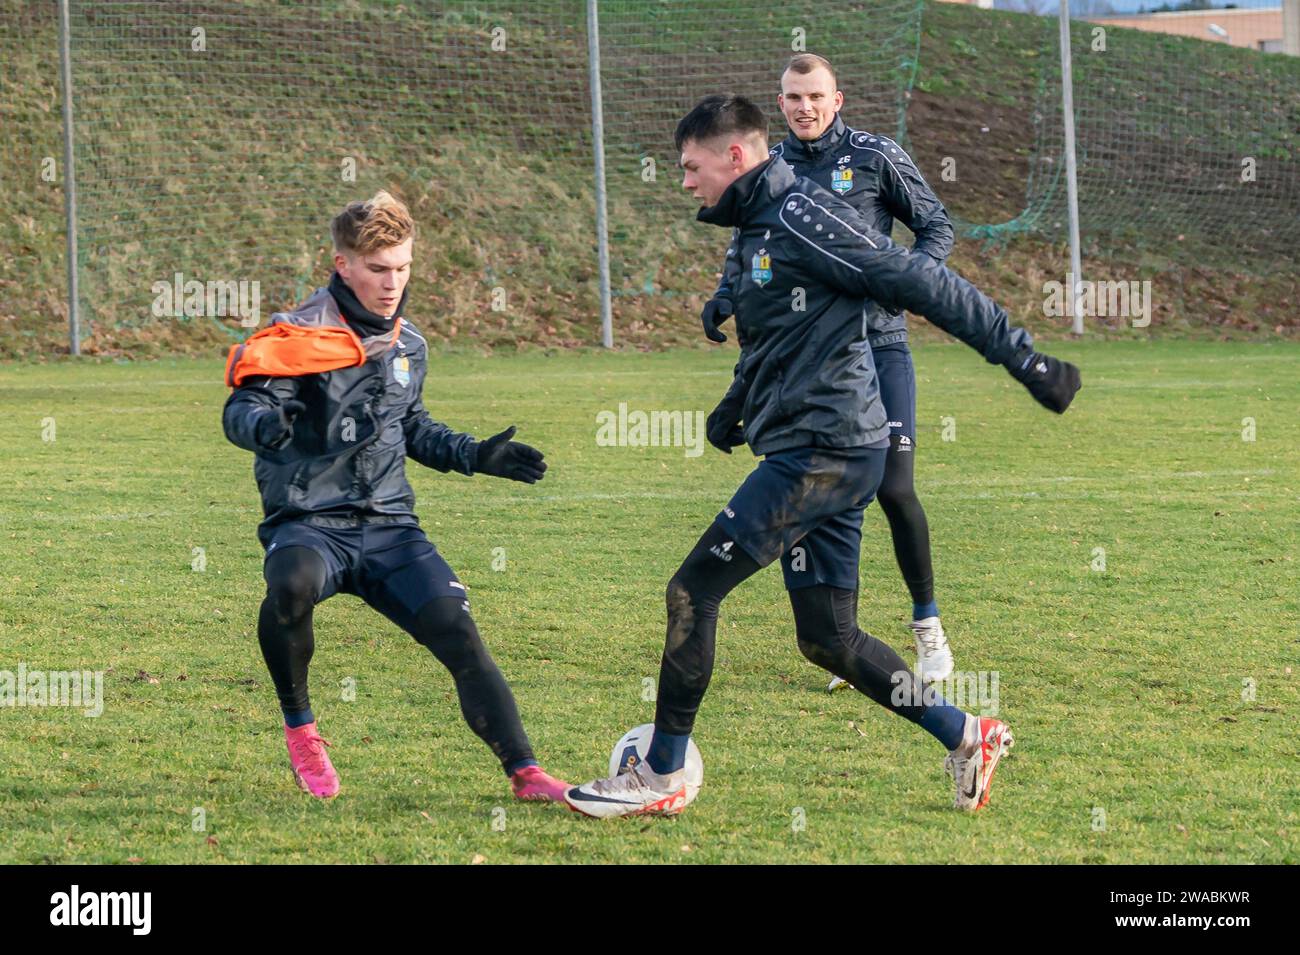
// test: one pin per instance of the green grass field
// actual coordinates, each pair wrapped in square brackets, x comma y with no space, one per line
[1130,689]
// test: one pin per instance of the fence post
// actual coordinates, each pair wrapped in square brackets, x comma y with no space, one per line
[598,147]
[1071,168]
[69,179]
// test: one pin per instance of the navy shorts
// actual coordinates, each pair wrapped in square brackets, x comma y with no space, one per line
[897,377]
[805,506]
[393,567]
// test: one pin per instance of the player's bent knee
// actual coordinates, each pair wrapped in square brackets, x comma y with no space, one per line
[817,651]
[827,644]
[447,628]
[291,598]
[897,496]
[678,598]
[825,636]
[294,579]
[445,618]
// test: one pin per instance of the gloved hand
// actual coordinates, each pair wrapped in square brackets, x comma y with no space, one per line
[1052,382]
[501,457]
[716,311]
[275,427]
[723,427]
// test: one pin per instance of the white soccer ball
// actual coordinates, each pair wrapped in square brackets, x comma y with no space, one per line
[634,745]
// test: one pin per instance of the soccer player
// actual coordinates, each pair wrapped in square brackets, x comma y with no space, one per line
[328,398]
[807,395]
[879,179]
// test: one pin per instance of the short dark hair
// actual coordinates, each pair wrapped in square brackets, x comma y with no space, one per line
[720,115]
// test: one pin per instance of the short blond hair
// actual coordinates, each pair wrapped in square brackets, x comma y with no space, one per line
[368,225]
[805,63]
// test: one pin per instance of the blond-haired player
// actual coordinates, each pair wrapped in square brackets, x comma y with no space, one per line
[328,399]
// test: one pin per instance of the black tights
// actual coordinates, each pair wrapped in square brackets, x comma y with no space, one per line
[711,571]
[825,624]
[907,524]
[295,578]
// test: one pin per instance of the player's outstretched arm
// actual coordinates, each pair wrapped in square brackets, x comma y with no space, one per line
[842,250]
[259,415]
[845,252]
[435,445]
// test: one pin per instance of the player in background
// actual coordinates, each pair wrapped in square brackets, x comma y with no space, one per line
[877,177]
[807,395]
[328,398]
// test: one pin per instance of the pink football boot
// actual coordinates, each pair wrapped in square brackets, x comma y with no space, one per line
[533,784]
[311,764]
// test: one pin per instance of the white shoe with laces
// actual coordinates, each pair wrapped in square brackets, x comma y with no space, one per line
[638,792]
[933,656]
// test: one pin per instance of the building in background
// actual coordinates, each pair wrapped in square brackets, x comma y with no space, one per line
[1258,28]
[1272,29]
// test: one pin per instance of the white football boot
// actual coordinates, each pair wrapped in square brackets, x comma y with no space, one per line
[638,792]
[933,656]
[838,683]
[972,764]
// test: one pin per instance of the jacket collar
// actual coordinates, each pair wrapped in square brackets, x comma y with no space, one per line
[322,310]
[816,148]
[749,193]
[363,321]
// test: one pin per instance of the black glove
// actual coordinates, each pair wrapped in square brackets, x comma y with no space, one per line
[501,457]
[723,427]
[716,311]
[1052,382]
[275,427]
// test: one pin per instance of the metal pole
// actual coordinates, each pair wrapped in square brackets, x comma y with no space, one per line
[69,179]
[598,145]
[1071,168]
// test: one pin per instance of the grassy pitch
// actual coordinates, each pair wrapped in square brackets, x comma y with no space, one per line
[1127,571]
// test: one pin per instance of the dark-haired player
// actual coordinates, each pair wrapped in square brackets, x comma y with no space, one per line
[876,176]
[806,392]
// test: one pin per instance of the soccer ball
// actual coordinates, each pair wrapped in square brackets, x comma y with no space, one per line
[634,745]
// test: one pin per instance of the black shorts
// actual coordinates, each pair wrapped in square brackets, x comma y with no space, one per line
[805,506]
[393,567]
[897,377]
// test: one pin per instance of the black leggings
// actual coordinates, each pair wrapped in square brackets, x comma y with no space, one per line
[825,624]
[295,578]
[907,524]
